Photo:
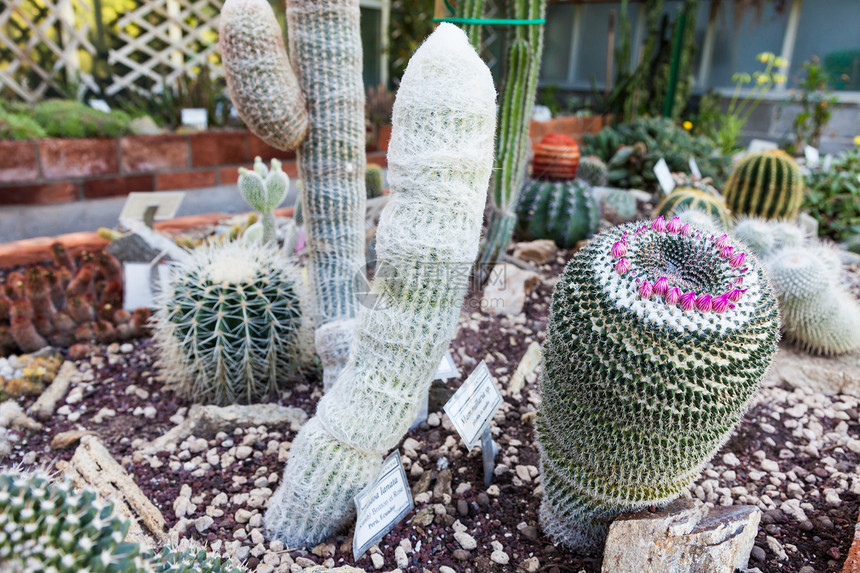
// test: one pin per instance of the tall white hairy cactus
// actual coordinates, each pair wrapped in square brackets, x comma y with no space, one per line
[313,102]
[439,158]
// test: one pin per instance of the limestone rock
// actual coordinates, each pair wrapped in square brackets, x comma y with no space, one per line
[830,375]
[93,466]
[507,289]
[65,440]
[527,365]
[44,406]
[681,538]
[538,252]
[206,421]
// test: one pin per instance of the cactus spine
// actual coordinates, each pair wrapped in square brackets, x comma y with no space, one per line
[767,184]
[316,101]
[672,331]
[564,211]
[684,198]
[523,57]
[440,160]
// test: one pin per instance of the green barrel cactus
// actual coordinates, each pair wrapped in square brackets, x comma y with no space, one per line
[817,314]
[313,102]
[691,198]
[373,181]
[564,211]
[657,339]
[46,525]
[767,184]
[593,171]
[229,327]
[618,206]
[440,159]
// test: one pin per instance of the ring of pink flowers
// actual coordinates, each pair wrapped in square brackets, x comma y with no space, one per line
[672,294]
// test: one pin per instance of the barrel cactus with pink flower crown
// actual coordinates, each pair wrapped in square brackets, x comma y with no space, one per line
[658,337]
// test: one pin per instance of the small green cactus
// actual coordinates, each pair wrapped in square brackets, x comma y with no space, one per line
[46,525]
[756,235]
[692,198]
[617,206]
[229,327]
[373,181]
[817,314]
[264,190]
[564,211]
[657,339]
[767,184]
[593,171]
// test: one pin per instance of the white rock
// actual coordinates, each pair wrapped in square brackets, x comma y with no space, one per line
[731,460]
[203,523]
[499,557]
[243,452]
[378,560]
[776,548]
[769,465]
[681,538]
[400,557]
[465,540]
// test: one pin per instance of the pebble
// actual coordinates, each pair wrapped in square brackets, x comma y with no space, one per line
[731,460]
[758,553]
[776,548]
[378,560]
[499,557]
[243,452]
[203,523]
[769,465]
[465,540]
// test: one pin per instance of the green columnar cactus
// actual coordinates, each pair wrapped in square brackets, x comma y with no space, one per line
[440,159]
[692,198]
[314,101]
[817,314]
[593,171]
[373,181]
[671,330]
[564,211]
[229,327]
[618,206]
[767,184]
[525,46]
[264,190]
[46,525]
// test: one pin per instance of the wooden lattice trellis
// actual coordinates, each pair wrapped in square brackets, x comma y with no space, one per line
[162,40]
[40,44]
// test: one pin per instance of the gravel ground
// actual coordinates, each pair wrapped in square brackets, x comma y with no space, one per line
[794,455]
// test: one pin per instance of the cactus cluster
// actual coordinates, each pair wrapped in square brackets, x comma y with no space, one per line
[373,181]
[684,198]
[556,156]
[264,189]
[229,326]
[312,101]
[519,87]
[593,171]
[817,313]
[564,211]
[768,184]
[440,159]
[672,329]
[74,301]
[46,525]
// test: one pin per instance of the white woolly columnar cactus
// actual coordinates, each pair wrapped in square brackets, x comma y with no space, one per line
[229,327]
[817,314]
[657,339]
[439,158]
[314,101]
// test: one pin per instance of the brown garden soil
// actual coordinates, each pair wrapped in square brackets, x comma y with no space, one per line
[129,383]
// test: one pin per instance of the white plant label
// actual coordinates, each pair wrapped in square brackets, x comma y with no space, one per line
[195,117]
[166,202]
[447,368]
[759,145]
[812,156]
[100,105]
[694,168]
[473,405]
[664,176]
[138,286]
[381,505]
